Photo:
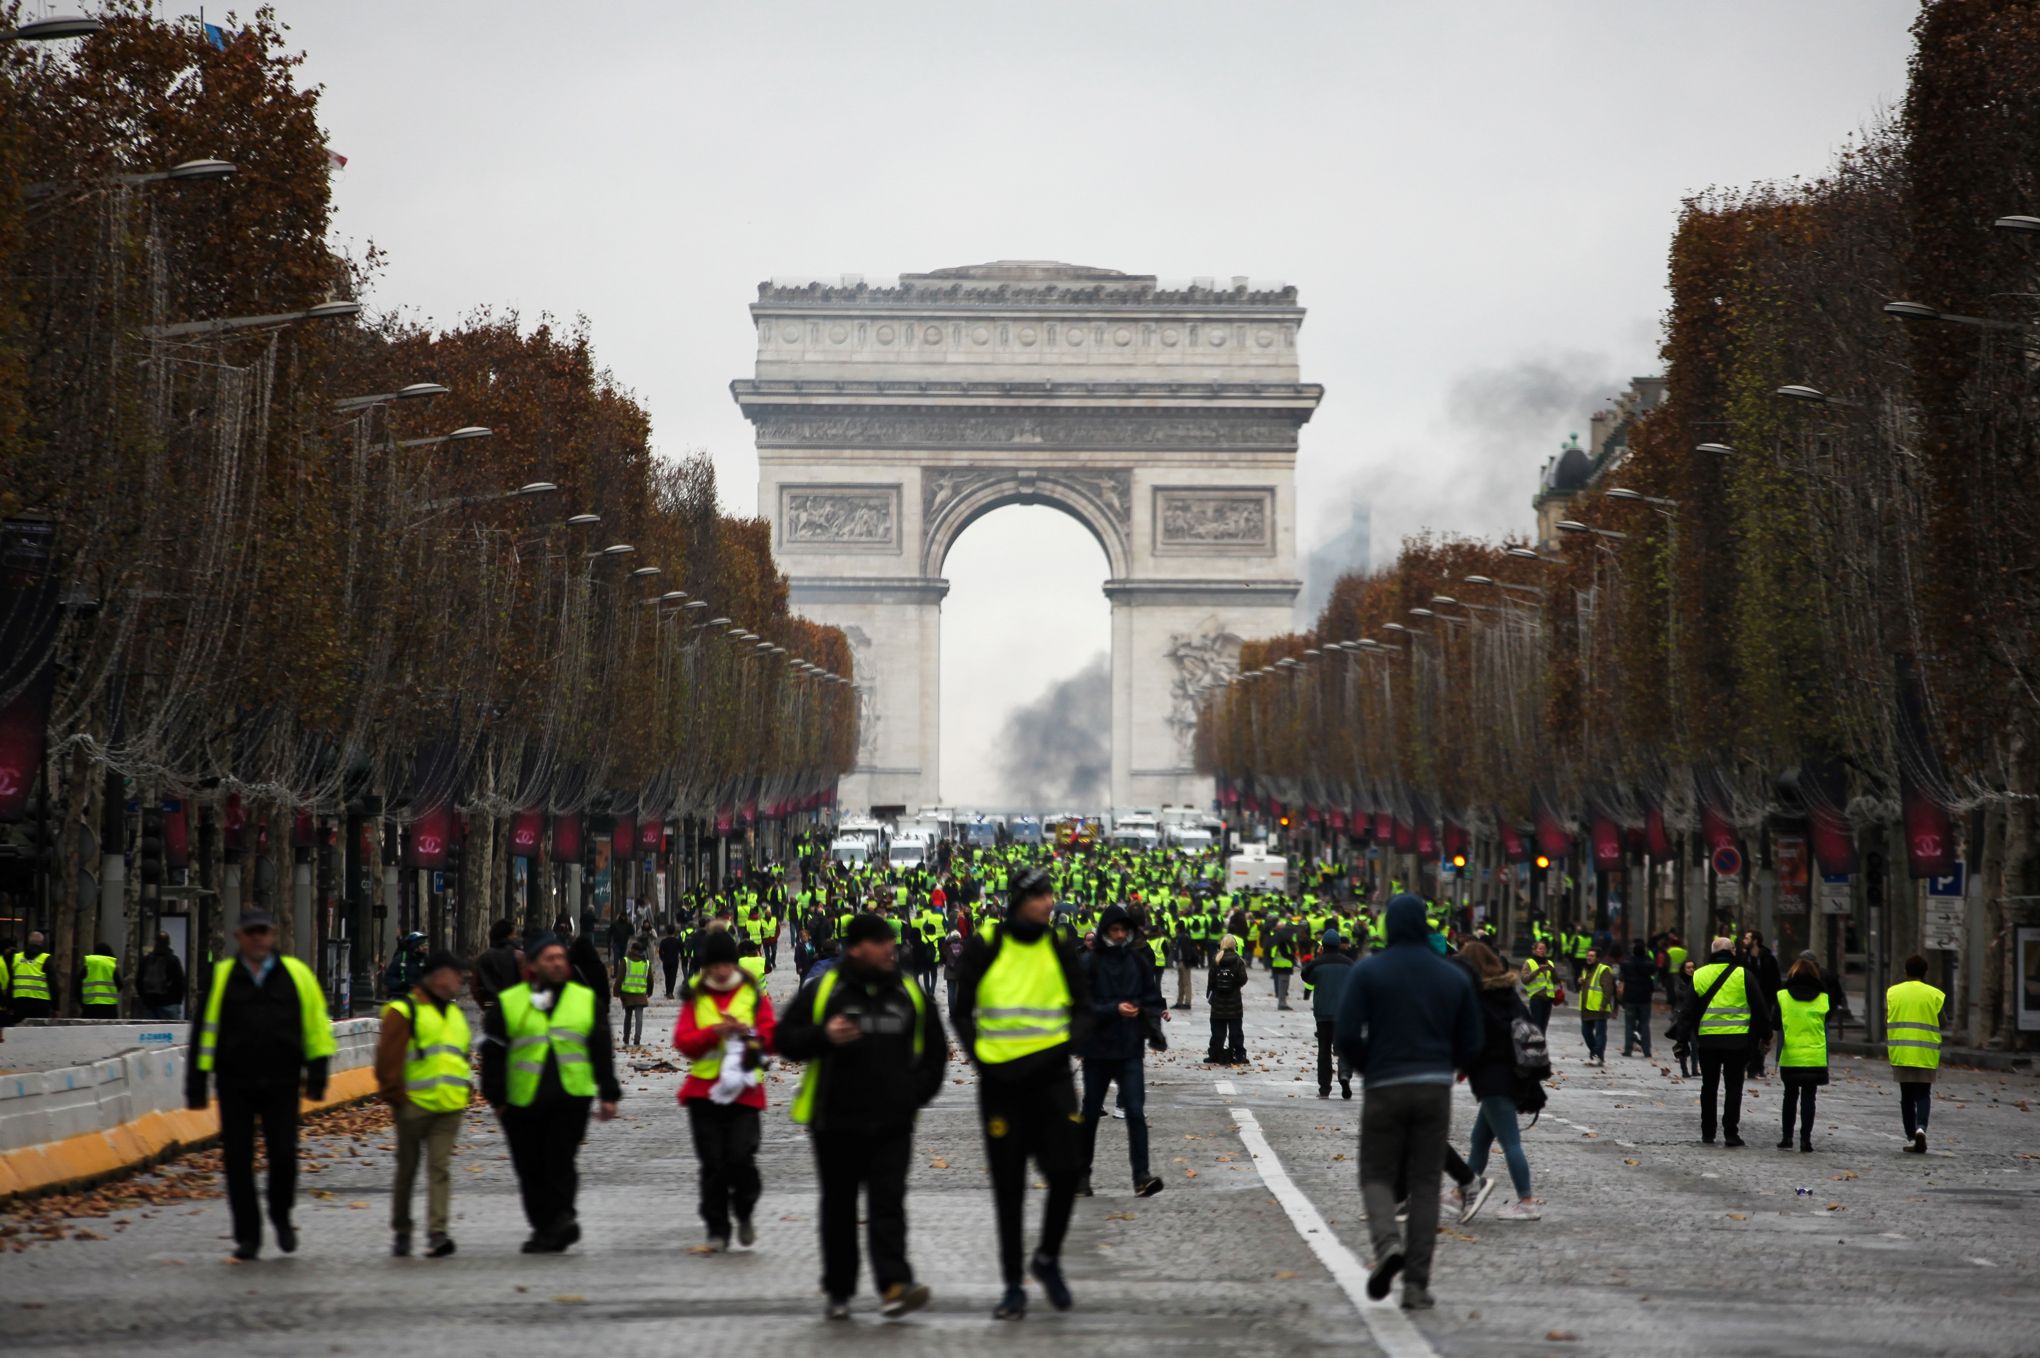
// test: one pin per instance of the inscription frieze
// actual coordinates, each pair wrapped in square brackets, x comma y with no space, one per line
[854,430]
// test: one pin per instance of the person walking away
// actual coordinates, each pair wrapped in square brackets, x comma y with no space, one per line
[423,1071]
[584,960]
[725,1030]
[1125,1002]
[634,992]
[498,968]
[99,984]
[1912,1041]
[1407,1020]
[1022,1007]
[1225,987]
[873,1053]
[402,972]
[1325,977]
[1186,955]
[1802,1047]
[1639,983]
[160,982]
[952,957]
[1766,982]
[1724,1021]
[1493,1081]
[669,957]
[1682,1040]
[32,991]
[1281,942]
[1540,983]
[1597,1001]
[262,1030]
[546,1062]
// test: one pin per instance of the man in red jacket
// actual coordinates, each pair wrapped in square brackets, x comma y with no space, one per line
[725,1030]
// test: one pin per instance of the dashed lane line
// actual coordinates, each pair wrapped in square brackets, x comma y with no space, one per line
[1392,1330]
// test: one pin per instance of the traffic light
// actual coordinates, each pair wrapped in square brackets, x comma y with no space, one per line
[1459,861]
[149,851]
[1542,862]
[1284,822]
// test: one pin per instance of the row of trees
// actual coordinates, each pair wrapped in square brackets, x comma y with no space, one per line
[309,562]
[1818,599]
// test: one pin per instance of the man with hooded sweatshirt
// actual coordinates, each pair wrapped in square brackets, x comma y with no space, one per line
[1325,977]
[1408,1020]
[1126,1001]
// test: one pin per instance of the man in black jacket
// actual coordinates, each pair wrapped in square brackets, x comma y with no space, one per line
[258,1049]
[497,969]
[875,1052]
[669,957]
[1126,1004]
[1324,976]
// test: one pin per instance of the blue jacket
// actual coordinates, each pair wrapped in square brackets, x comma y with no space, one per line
[1406,1015]
[1120,974]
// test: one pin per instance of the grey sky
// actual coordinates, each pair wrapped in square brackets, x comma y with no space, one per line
[1467,194]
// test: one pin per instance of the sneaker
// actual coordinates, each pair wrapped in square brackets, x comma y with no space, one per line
[1474,1197]
[401,1246]
[1731,1141]
[1382,1277]
[1345,1089]
[569,1235]
[838,1310]
[1119,1113]
[244,1253]
[1806,1146]
[901,1298]
[1325,1093]
[438,1246]
[1147,1186]
[1013,1306]
[1048,1272]
[540,1244]
[747,1234]
[1786,1144]
[1416,1297]
[1520,1210]
[1919,1145]
[718,1244]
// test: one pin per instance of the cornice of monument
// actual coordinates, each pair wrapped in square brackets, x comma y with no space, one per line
[1029,283]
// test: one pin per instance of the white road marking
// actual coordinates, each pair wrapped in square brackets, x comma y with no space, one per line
[1225,1087]
[1980,1261]
[1392,1330]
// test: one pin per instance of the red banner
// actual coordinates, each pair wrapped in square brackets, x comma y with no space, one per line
[1834,847]
[1384,827]
[176,834]
[1455,838]
[725,821]
[651,836]
[301,830]
[1607,837]
[527,829]
[567,838]
[1515,844]
[1338,821]
[1405,836]
[425,845]
[1716,830]
[1929,834]
[1554,839]
[623,839]
[1657,841]
[21,744]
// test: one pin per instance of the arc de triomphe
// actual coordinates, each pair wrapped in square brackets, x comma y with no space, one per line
[1166,421]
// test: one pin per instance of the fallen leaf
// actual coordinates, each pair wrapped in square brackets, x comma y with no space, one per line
[938,1163]
[571,1299]
[1189,1173]
[1845,1174]
[1285,1275]
[357,1207]
[1119,1216]
[1836,1207]
[1737,1216]
[1559,1336]
[1632,1162]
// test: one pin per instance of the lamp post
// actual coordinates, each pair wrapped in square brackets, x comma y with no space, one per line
[185,172]
[332,309]
[51,29]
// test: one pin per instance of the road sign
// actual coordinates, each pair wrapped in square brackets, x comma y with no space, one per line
[1955,884]
[438,883]
[1835,896]
[1727,862]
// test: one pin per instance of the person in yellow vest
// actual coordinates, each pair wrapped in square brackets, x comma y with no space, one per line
[263,1027]
[31,989]
[1724,1022]
[1022,1005]
[546,1064]
[99,984]
[1802,1052]
[873,1054]
[725,1030]
[634,991]
[424,1072]
[1912,1041]
[1597,1002]
[1540,983]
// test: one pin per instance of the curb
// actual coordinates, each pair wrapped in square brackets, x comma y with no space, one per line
[91,1158]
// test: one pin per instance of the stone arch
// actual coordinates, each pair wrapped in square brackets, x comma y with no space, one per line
[954,498]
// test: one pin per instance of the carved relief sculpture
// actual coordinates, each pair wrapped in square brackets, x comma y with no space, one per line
[1199,661]
[865,675]
[853,518]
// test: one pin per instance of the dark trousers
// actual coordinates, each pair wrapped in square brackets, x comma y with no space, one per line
[277,1110]
[1031,1120]
[1594,1030]
[672,975]
[1228,1038]
[1915,1101]
[1723,1070]
[1636,1027]
[1540,1012]
[544,1141]
[1404,1132]
[1800,1095]
[1325,1031]
[877,1163]
[1130,1076]
[726,1143]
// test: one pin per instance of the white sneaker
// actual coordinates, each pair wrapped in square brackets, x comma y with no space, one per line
[1474,1197]
[1520,1211]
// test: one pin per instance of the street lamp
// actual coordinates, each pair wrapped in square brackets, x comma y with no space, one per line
[1526,554]
[51,29]
[2020,223]
[584,520]
[1575,526]
[1422,613]
[532,488]
[1799,391]
[1715,449]
[334,308]
[415,391]
[644,572]
[182,172]
[1493,583]
[1920,311]
[1637,496]
[460,435]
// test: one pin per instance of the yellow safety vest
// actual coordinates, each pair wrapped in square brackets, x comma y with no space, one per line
[438,1074]
[1912,1024]
[1023,1002]
[317,1034]
[1593,999]
[637,976]
[566,1030]
[99,987]
[1537,980]
[1728,1013]
[31,981]
[1160,948]
[810,1075]
[743,1009]
[1803,1031]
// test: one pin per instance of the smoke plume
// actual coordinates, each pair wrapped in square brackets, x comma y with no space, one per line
[1056,752]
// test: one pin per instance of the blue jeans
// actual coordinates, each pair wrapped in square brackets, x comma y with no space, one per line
[164,1013]
[1129,1075]
[1595,1031]
[1496,1121]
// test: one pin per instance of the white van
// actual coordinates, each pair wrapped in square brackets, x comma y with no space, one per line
[850,851]
[1258,870]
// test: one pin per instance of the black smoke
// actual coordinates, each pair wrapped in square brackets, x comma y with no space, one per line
[1055,753]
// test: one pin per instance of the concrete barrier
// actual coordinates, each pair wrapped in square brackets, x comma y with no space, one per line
[75,1124]
[50,1045]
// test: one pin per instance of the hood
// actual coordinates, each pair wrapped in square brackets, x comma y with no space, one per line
[1406,920]
[1114,914]
[1804,988]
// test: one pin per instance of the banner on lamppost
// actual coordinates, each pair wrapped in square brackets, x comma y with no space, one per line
[1515,844]
[425,846]
[527,828]
[21,743]
[1607,839]
[1929,832]
[176,834]
[1657,840]
[567,837]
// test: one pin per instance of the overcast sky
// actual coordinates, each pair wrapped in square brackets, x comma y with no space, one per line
[1475,200]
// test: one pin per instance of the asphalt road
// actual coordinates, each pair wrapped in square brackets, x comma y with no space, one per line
[1650,1243]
